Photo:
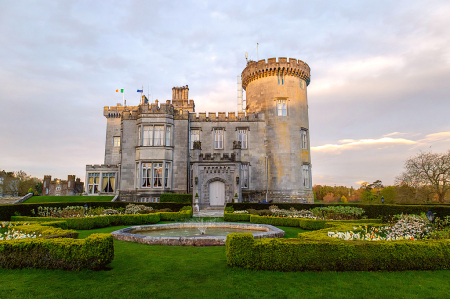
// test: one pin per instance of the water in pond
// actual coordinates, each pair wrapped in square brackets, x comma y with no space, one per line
[193,232]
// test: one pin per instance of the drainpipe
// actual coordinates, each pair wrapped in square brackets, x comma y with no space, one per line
[267,177]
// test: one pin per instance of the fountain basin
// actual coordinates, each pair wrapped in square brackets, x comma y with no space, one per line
[136,233]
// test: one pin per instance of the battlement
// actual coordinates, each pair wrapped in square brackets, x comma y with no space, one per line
[101,167]
[293,67]
[217,157]
[222,116]
[117,111]
[180,93]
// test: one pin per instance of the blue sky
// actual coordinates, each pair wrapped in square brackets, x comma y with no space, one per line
[379,92]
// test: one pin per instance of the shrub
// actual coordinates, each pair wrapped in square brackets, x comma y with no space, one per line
[303,223]
[336,255]
[175,197]
[168,216]
[231,217]
[92,253]
[98,221]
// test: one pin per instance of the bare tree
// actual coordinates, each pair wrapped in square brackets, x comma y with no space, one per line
[427,170]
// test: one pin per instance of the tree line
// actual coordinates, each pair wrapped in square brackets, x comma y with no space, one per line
[425,179]
[19,183]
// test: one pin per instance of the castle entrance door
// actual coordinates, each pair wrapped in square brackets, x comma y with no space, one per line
[217,193]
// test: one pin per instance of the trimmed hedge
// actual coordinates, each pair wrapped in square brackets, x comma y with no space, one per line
[175,197]
[231,217]
[93,253]
[47,230]
[6,211]
[98,221]
[303,223]
[336,255]
[173,216]
[371,210]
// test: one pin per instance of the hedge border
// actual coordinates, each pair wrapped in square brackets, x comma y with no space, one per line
[93,253]
[318,252]
[24,209]
[372,211]
[176,198]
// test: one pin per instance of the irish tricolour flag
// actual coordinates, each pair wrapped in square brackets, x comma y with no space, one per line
[119,90]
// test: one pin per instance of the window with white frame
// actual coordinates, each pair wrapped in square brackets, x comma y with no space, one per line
[242,137]
[58,188]
[166,175]
[46,191]
[218,138]
[147,139]
[93,183]
[157,175]
[281,107]
[146,175]
[109,182]
[244,173]
[280,75]
[306,176]
[304,138]
[158,136]
[116,141]
[168,136]
[195,136]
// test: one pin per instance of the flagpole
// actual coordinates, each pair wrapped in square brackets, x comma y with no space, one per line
[123,97]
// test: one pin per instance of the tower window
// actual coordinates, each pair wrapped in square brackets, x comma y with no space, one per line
[306,176]
[116,141]
[304,133]
[280,75]
[281,108]
[146,174]
[157,175]
[302,84]
[148,135]
[159,136]
[242,137]
[218,138]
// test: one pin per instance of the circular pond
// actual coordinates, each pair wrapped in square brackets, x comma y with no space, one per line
[193,233]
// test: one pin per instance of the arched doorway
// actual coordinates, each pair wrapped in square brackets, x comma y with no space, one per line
[217,193]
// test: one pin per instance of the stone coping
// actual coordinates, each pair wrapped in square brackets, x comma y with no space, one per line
[125,235]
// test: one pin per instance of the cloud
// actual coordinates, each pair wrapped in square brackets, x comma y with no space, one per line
[350,144]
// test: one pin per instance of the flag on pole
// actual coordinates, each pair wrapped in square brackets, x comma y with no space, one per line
[119,90]
[140,90]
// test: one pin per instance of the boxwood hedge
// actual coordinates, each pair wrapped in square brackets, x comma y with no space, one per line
[175,197]
[371,210]
[94,253]
[316,251]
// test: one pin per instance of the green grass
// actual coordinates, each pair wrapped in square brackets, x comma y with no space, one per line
[143,271]
[46,199]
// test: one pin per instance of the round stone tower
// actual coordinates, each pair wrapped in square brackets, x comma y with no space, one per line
[278,89]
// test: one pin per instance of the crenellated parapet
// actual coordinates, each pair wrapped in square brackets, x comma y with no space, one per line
[118,111]
[272,67]
[222,116]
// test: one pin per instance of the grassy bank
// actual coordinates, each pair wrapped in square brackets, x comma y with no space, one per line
[140,271]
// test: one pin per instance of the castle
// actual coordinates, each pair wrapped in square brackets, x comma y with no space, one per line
[57,187]
[256,155]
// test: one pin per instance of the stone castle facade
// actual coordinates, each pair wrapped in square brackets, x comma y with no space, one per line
[262,153]
[57,187]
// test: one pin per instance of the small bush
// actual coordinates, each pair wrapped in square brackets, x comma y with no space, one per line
[231,217]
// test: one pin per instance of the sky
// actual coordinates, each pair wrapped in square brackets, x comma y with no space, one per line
[379,91]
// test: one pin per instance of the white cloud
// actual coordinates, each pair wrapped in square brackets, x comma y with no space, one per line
[350,144]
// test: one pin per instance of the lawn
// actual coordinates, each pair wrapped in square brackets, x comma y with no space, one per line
[144,271]
[46,199]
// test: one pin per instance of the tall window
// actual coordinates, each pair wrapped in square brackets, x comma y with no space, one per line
[191,176]
[148,135]
[157,175]
[166,175]
[242,137]
[139,135]
[159,136]
[304,138]
[302,84]
[281,108]
[280,76]
[168,135]
[244,179]
[306,174]
[93,183]
[146,174]
[195,136]
[116,141]
[109,182]
[218,138]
